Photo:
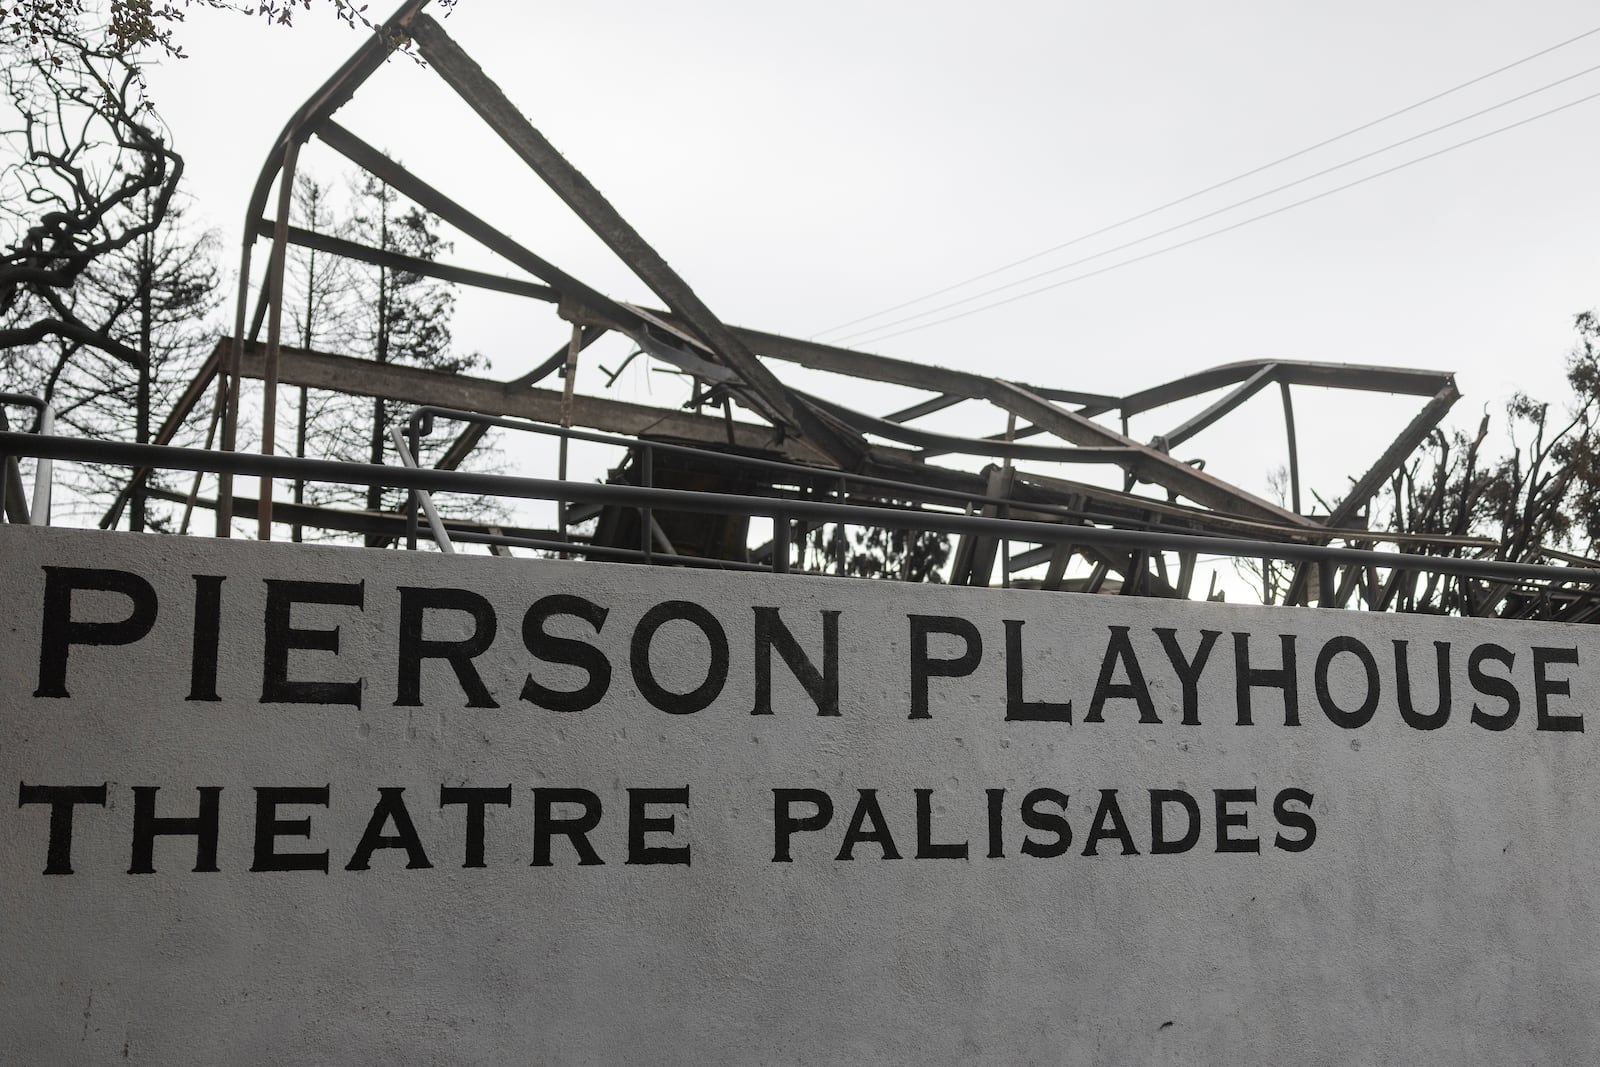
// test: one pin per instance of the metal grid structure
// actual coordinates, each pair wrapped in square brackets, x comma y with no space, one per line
[1142,538]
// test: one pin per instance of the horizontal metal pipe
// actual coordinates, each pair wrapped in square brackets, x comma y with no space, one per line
[443,481]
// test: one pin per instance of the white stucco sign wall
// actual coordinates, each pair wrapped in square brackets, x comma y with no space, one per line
[284,804]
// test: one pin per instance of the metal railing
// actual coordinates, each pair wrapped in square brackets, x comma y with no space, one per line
[38,512]
[780,510]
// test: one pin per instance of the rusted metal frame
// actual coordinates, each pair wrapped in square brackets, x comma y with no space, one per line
[386,525]
[927,407]
[478,279]
[1060,559]
[264,291]
[414,385]
[975,553]
[612,314]
[597,309]
[332,95]
[463,74]
[873,367]
[13,494]
[967,446]
[1097,576]
[473,432]
[1294,446]
[1145,583]
[569,377]
[194,485]
[1360,494]
[166,457]
[169,428]
[269,391]
[591,334]
[1402,446]
[1410,381]
[430,199]
[1108,506]
[1188,562]
[683,350]
[1145,462]
[1244,391]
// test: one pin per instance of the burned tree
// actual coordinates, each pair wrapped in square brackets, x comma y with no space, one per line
[88,173]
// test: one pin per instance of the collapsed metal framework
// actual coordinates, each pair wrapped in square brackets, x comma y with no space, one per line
[1045,425]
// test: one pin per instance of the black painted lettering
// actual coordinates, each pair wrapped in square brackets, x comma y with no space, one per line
[1361,714]
[1018,707]
[1294,820]
[415,603]
[269,828]
[1227,819]
[1544,687]
[700,697]
[1284,678]
[390,808]
[282,637]
[1489,685]
[821,686]
[641,822]
[476,799]
[62,800]
[1188,670]
[207,635]
[1402,679]
[566,650]
[927,848]
[1108,822]
[924,667]
[1046,822]
[575,828]
[785,824]
[59,631]
[147,827]
[1160,843]
[997,840]
[867,810]
[1119,650]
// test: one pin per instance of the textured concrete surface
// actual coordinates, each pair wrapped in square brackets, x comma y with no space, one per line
[1442,913]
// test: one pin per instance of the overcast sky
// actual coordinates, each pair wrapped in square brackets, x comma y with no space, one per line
[803,166]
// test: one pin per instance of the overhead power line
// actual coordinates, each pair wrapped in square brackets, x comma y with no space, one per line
[1243,222]
[1212,188]
[1221,210]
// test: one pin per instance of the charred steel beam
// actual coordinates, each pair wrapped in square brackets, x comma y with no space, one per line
[944,444]
[332,95]
[1413,435]
[169,427]
[464,75]
[1409,381]
[1147,463]
[1251,386]
[473,432]
[927,407]
[1293,441]
[253,465]
[338,246]
[412,385]
[384,524]
[426,196]
[591,334]
[603,310]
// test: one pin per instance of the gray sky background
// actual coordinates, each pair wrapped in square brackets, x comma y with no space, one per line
[805,166]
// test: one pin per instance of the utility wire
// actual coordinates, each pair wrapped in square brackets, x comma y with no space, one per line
[1219,211]
[1212,188]
[1242,222]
